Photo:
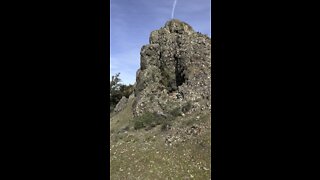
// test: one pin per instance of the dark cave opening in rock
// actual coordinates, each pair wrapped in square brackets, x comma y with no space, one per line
[179,70]
[173,78]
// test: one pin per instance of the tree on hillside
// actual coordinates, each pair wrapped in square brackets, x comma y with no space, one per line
[115,94]
[126,90]
[117,90]
[115,83]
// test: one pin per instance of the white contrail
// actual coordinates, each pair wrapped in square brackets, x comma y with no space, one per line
[174,6]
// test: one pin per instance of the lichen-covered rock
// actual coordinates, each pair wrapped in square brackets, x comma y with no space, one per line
[121,104]
[175,69]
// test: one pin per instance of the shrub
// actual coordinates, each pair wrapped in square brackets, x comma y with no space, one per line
[165,126]
[175,112]
[138,125]
[150,120]
[168,80]
[187,107]
[146,120]
[118,90]
[165,78]
[126,90]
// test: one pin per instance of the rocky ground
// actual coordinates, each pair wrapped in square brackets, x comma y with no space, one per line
[183,151]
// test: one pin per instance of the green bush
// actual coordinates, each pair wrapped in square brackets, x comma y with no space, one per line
[168,80]
[138,125]
[175,112]
[187,107]
[118,90]
[165,126]
[146,120]
[165,78]
[150,120]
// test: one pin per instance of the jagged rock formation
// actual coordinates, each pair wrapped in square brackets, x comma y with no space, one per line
[175,68]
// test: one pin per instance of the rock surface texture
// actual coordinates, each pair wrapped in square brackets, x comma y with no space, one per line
[175,70]
[121,104]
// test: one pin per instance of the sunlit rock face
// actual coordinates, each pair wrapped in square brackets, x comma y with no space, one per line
[175,68]
[121,104]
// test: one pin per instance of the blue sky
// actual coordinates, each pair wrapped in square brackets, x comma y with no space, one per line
[131,22]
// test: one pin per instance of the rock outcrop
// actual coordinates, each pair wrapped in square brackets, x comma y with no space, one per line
[121,104]
[175,70]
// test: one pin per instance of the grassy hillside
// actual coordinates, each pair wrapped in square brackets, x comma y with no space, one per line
[181,152]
